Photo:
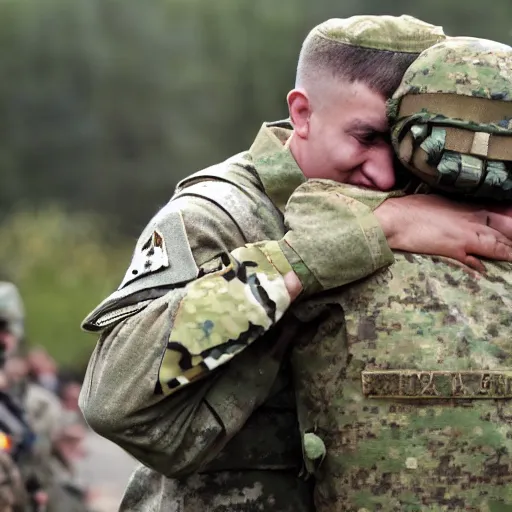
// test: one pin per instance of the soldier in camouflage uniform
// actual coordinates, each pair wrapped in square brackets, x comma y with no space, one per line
[215,272]
[67,494]
[37,411]
[13,496]
[405,385]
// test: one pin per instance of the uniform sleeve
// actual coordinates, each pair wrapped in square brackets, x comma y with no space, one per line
[154,379]
[150,381]
[221,313]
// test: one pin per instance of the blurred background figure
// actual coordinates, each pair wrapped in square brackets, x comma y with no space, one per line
[23,465]
[68,493]
[105,106]
[44,463]
[42,369]
[69,391]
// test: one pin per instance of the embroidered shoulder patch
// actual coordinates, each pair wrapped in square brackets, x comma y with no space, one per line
[162,255]
[152,256]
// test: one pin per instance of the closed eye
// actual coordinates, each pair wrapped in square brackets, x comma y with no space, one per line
[372,138]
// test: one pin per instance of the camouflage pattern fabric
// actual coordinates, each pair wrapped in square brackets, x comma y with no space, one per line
[451,117]
[321,265]
[232,422]
[404,380]
[257,470]
[44,415]
[409,390]
[389,33]
[222,492]
[223,312]
[461,65]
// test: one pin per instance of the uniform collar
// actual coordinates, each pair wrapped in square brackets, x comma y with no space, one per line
[274,163]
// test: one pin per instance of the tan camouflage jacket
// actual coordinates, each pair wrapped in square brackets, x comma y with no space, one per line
[158,383]
[405,378]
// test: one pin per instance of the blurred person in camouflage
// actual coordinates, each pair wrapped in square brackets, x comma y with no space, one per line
[39,409]
[13,496]
[405,399]
[20,488]
[67,494]
[59,439]
[215,272]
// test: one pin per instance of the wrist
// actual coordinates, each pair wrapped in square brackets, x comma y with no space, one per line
[386,214]
[293,285]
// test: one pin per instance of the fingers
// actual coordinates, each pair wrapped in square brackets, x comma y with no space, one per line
[489,243]
[501,223]
[474,263]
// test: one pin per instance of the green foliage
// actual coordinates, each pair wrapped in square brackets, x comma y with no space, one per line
[64,266]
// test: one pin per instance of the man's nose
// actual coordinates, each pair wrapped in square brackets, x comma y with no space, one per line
[379,168]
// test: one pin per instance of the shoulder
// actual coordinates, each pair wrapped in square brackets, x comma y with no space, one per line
[212,212]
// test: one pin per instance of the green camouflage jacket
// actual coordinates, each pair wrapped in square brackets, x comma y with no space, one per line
[158,383]
[404,384]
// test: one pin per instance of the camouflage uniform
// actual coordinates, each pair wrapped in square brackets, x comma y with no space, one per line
[44,414]
[67,494]
[13,429]
[130,394]
[205,287]
[404,381]
[458,140]
[28,413]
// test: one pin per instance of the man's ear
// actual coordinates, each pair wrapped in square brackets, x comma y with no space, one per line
[299,107]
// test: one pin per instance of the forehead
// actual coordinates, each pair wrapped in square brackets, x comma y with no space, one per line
[356,104]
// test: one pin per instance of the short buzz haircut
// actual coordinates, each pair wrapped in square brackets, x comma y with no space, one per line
[375,50]
[380,70]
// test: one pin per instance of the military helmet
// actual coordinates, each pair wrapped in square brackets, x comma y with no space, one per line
[12,312]
[451,117]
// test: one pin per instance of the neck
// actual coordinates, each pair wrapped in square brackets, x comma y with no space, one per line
[296,151]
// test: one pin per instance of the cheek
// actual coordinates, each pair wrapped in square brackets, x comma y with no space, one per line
[347,154]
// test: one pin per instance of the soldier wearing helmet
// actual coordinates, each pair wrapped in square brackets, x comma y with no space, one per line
[14,432]
[405,400]
[12,317]
[29,414]
[452,117]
